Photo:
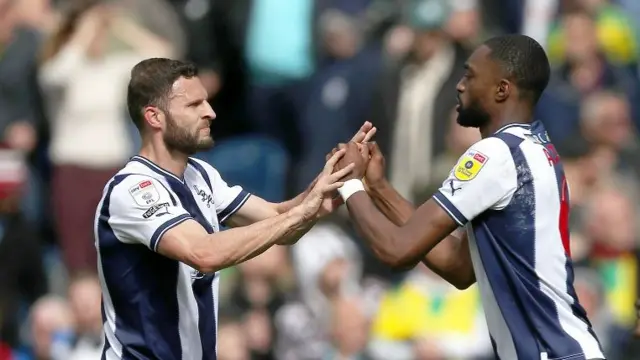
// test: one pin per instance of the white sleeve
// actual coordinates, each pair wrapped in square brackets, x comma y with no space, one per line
[227,199]
[484,178]
[141,210]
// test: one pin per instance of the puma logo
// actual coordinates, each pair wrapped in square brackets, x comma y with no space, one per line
[453,189]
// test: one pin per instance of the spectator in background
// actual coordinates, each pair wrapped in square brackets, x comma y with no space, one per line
[22,278]
[21,115]
[464,23]
[414,98]
[339,92]
[616,32]
[589,289]
[280,56]
[611,229]
[232,342]
[584,70]
[258,296]
[85,297]
[607,127]
[18,87]
[349,330]
[424,312]
[51,330]
[84,71]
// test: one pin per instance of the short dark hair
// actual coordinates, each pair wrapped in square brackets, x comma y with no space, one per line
[524,61]
[151,82]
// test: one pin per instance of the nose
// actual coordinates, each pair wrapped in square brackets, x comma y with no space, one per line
[460,86]
[209,113]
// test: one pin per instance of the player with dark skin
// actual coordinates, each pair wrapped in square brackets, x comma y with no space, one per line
[402,236]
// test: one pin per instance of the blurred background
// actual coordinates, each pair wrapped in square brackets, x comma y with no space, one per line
[288,80]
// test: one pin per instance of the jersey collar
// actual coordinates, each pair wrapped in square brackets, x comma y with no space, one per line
[514,125]
[151,165]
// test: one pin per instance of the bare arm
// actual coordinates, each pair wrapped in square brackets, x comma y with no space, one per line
[485,177]
[189,242]
[257,209]
[450,259]
[58,69]
[139,38]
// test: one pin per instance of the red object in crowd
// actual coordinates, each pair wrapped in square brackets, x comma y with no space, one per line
[13,172]
[5,352]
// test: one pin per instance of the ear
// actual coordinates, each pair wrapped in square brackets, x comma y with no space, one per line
[153,116]
[503,91]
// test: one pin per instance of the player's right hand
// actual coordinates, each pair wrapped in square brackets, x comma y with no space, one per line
[326,185]
[375,173]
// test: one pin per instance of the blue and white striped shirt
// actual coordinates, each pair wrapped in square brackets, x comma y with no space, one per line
[510,192]
[154,307]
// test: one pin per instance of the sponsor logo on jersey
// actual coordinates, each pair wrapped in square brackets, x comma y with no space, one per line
[204,196]
[470,165]
[144,193]
[157,209]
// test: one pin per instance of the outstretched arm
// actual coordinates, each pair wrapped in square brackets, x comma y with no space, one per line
[450,259]
[484,178]
[400,246]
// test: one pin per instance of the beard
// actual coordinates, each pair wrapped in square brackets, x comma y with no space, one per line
[180,139]
[472,115]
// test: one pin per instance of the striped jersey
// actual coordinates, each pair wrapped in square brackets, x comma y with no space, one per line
[510,193]
[154,307]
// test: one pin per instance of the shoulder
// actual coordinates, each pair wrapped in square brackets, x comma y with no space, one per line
[132,189]
[201,165]
[491,148]
[491,153]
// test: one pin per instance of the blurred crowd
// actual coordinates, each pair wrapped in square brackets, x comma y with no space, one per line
[288,80]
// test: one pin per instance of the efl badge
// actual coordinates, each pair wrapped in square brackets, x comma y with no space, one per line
[470,165]
[144,193]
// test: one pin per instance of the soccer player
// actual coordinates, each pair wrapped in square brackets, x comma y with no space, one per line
[157,226]
[510,194]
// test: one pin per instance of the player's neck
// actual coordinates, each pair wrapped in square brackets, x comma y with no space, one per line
[514,115]
[171,161]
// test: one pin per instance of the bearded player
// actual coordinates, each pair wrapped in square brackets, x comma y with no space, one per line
[157,226]
[509,194]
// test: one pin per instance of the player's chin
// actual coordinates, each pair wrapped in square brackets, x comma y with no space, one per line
[205,143]
[464,122]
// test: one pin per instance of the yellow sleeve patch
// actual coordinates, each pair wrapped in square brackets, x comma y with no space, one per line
[470,165]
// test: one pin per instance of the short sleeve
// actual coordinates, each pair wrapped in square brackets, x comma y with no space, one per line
[227,199]
[141,210]
[484,178]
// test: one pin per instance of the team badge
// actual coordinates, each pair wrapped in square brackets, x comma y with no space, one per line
[470,165]
[144,193]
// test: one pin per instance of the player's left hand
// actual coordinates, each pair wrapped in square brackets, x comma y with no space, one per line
[324,187]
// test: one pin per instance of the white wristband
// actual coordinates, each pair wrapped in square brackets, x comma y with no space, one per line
[349,188]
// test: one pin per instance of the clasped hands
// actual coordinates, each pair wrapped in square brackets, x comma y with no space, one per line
[354,160]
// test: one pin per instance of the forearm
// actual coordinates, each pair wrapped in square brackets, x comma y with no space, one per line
[395,207]
[141,39]
[303,230]
[379,232]
[450,258]
[237,245]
